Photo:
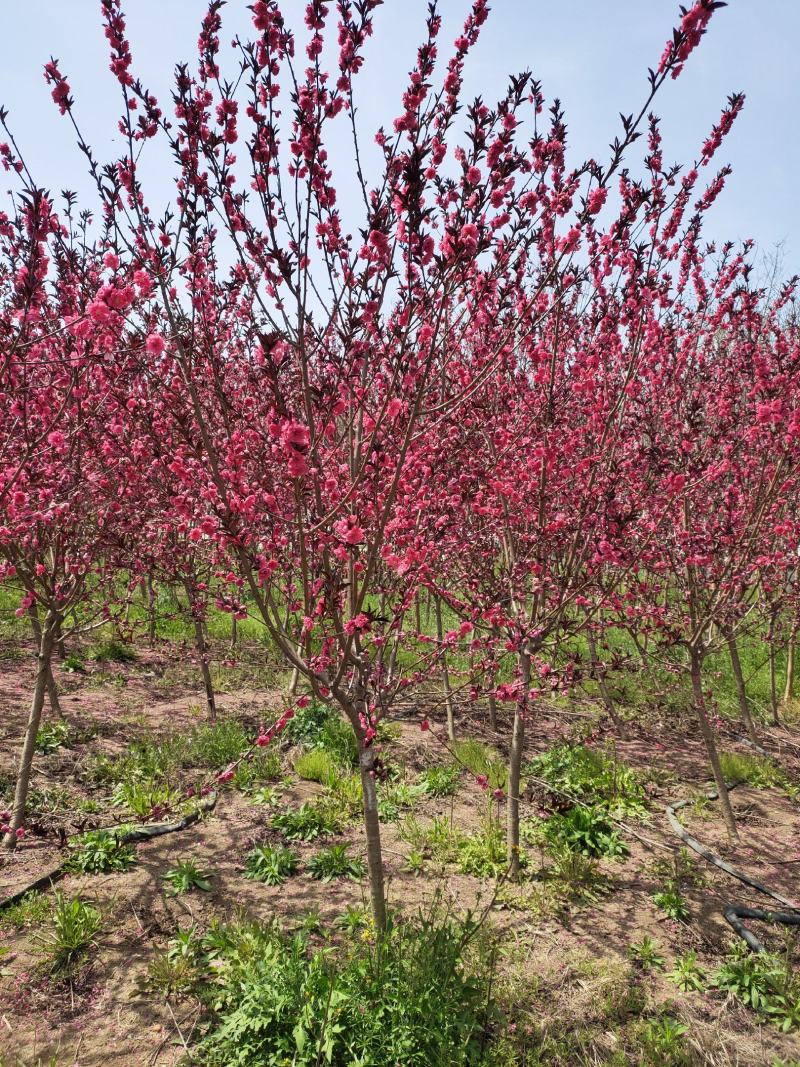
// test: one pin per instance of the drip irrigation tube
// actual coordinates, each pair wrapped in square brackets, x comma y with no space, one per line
[136,834]
[734,913]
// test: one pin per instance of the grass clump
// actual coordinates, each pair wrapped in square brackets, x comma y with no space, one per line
[113,651]
[317,765]
[308,822]
[758,771]
[336,862]
[74,927]
[441,781]
[482,761]
[32,910]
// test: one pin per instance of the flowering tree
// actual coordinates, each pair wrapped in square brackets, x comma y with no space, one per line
[306,377]
[59,498]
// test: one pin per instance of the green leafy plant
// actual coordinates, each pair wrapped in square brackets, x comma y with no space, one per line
[437,840]
[336,862]
[143,797]
[765,983]
[415,861]
[663,1040]
[321,726]
[483,853]
[186,876]
[593,776]
[272,865]
[52,735]
[74,927]
[73,663]
[686,974]
[415,998]
[98,851]
[264,795]
[646,953]
[441,781]
[353,919]
[588,830]
[309,821]
[672,903]
[576,877]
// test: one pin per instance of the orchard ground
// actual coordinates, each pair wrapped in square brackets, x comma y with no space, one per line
[589,968]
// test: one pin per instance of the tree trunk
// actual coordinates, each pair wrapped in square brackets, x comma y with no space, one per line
[52,688]
[372,826]
[696,664]
[741,690]
[61,648]
[515,766]
[599,671]
[151,611]
[448,692]
[492,709]
[788,691]
[202,650]
[29,743]
[773,674]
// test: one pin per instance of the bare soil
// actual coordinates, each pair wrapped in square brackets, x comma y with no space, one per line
[103,1019]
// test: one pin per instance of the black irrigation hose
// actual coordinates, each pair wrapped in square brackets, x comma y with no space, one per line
[734,912]
[138,833]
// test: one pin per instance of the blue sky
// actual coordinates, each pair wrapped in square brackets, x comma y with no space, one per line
[592,55]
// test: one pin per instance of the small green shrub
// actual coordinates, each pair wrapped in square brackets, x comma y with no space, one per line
[336,862]
[272,865]
[113,651]
[309,821]
[672,903]
[74,927]
[188,875]
[646,953]
[686,974]
[52,735]
[99,851]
